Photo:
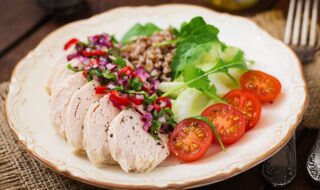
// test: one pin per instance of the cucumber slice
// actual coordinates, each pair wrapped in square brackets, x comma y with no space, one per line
[167,86]
[189,103]
[223,83]
[231,53]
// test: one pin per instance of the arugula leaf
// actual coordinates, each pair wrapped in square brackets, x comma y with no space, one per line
[214,130]
[197,28]
[192,35]
[191,72]
[96,72]
[140,30]
[202,55]
[195,75]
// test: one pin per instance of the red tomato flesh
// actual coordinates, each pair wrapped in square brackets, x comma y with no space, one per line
[101,90]
[118,99]
[230,122]
[248,103]
[71,42]
[190,139]
[265,86]
[93,53]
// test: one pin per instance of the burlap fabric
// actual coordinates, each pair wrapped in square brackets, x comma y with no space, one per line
[19,171]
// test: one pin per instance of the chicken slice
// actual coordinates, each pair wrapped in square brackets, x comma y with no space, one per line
[133,148]
[60,99]
[58,73]
[77,109]
[96,125]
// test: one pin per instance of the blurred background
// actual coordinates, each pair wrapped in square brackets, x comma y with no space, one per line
[25,22]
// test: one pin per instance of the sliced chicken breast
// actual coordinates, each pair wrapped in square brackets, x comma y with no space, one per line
[60,99]
[96,125]
[133,148]
[58,73]
[77,109]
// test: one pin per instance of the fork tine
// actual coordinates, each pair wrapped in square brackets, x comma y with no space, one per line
[287,33]
[297,21]
[304,34]
[313,28]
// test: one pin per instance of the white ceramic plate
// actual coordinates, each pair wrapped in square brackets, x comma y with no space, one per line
[27,103]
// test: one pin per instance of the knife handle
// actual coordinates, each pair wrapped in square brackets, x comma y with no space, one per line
[281,168]
[313,161]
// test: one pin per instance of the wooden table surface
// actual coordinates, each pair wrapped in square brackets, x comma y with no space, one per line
[24,24]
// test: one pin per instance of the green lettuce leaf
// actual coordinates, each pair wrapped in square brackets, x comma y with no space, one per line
[140,30]
[193,37]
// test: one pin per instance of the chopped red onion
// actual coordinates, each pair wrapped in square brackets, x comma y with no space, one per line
[102,68]
[84,60]
[123,82]
[162,119]
[103,61]
[147,121]
[72,56]
[87,68]
[163,104]
[111,86]
[142,74]
[155,85]
[110,66]
[139,96]
[96,78]
[150,108]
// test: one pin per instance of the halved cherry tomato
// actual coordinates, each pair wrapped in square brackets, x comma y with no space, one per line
[101,90]
[230,122]
[248,103]
[190,139]
[70,43]
[265,86]
[119,100]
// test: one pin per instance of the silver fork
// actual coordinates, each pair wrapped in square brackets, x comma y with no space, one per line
[303,38]
[281,168]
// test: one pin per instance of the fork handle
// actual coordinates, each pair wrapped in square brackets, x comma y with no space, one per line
[281,169]
[313,165]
